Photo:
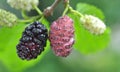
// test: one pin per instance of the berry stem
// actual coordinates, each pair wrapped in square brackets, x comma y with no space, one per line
[38,10]
[24,21]
[31,19]
[35,17]
[40,20]
[75,12]
[23,13]
[66,7]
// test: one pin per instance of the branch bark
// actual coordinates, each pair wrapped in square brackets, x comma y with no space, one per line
[49,10]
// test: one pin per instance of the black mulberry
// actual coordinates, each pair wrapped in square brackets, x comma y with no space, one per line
[33,41]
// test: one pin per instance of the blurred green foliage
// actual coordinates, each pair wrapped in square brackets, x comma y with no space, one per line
[104,61]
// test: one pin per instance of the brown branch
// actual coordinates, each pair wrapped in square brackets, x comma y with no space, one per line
[49,10]
[65,1]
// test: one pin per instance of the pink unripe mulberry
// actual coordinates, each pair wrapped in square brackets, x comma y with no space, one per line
[61,36]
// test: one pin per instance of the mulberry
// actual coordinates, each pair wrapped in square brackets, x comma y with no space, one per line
[93,24]
[23,4]
[61,36]
[7,19]
[33,41]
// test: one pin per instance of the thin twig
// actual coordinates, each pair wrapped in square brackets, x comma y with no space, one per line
[49,10]
[55,4]
[75,12]
[23,13]
[66,2]
[38,10]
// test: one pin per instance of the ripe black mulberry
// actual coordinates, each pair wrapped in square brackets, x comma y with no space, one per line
[33,41]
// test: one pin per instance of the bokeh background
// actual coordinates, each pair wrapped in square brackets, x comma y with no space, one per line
[107,60]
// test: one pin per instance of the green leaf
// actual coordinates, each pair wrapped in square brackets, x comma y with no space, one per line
[89,9]
[85,42]
[9,38]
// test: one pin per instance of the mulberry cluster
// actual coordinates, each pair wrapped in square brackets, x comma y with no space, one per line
[61,36]
[33,41]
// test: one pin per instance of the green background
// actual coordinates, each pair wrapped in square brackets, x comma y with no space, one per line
[107,60]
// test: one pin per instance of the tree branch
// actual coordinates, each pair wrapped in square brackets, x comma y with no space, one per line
[49,10]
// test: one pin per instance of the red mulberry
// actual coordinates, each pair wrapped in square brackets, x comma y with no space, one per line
[61,36]
[33,41]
